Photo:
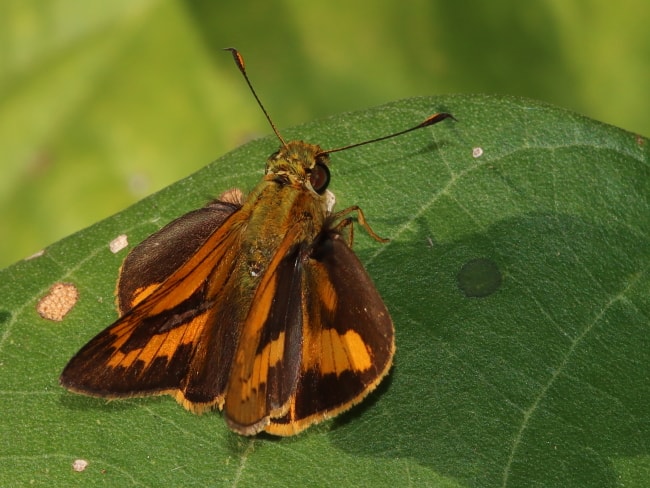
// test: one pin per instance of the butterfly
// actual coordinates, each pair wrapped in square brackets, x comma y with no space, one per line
[256,306]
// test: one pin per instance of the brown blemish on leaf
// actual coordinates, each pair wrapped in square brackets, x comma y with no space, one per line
[640,141]
[58,302]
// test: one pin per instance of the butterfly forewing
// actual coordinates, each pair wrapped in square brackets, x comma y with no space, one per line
[267,362]
[160,345]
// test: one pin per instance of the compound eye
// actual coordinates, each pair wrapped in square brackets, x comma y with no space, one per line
[319,177]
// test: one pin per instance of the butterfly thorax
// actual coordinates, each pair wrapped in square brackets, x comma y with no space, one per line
[284,210]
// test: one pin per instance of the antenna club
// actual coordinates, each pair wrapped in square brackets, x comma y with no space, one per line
[239,60]
[435,118]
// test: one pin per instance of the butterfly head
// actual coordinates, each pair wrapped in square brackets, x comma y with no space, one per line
[300,164]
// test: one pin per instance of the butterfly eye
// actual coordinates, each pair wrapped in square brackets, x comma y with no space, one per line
[319,177]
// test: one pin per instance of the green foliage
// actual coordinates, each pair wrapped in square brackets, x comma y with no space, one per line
[539,381]
[103,103]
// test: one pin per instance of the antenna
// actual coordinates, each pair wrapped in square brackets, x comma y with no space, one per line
[432,119]
[239,61]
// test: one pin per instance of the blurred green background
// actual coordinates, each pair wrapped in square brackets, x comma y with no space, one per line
[102,103]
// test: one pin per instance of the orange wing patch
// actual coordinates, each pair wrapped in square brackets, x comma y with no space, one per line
[341,353]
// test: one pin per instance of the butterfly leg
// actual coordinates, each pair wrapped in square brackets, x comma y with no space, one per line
[347,222]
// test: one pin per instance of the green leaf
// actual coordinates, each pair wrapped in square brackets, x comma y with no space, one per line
[517,276]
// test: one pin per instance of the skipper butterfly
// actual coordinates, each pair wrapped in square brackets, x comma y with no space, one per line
[256,306]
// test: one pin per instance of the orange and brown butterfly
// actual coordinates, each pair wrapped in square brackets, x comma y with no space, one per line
[256,306]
